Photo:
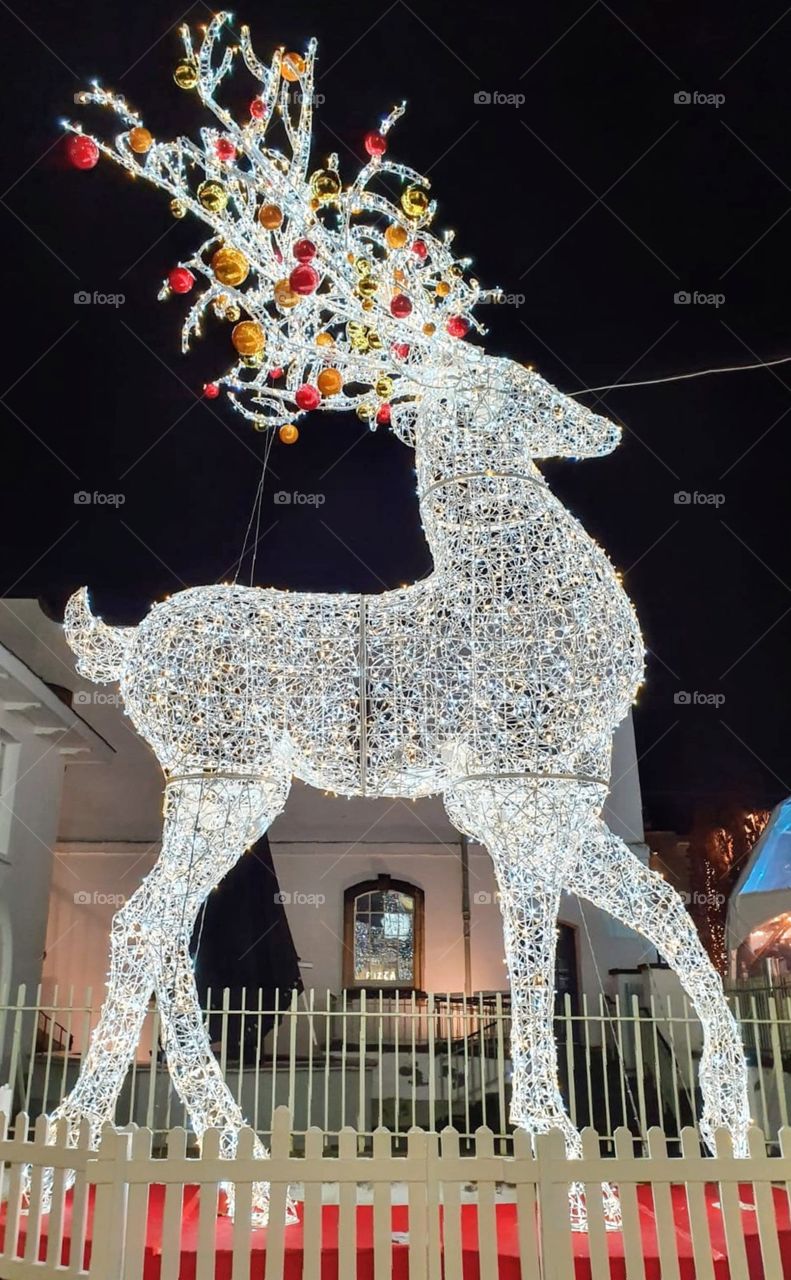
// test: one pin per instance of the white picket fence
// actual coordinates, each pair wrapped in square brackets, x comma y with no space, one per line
[373,1061]
[431,1207]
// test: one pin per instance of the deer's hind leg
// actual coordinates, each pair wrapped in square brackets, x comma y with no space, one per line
[533,828]
[609,875]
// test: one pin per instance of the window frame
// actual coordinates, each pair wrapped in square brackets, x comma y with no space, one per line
[380,884]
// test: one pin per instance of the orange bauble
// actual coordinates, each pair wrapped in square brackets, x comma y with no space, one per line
[140,140]
[284,295]
[248,337]
[325,340]
[396,236]
[288,433]
[270,216]
[292,67]
[329,382]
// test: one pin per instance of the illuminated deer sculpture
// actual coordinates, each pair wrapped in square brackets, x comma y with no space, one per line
[497,681]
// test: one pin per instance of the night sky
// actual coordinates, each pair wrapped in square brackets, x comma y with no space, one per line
[598,198]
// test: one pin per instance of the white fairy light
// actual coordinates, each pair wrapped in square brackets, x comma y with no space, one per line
[497,681]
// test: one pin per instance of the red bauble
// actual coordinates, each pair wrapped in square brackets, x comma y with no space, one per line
[308,397]
[400,350]
[257,109]
[304,279]
[400,306]
[458,327]
[383,415]
[420,250]
[275,373]
[82,151]
[375,143]
[180,280]
[225,149]
[211,390]
[304,250]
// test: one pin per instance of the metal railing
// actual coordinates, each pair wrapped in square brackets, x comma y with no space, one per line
[402,1062]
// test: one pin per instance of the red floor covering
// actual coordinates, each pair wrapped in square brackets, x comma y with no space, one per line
[507,1239]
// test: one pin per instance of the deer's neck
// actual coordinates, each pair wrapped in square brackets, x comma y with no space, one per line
[475,493]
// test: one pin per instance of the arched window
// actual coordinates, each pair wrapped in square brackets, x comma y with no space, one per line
[383,935]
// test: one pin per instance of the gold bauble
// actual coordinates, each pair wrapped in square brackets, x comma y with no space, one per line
[248,337]
[253,362]
[384,388]
[177,208]
[186,75]
[366,286]
[374,341]
[213,196]
[232,313]
[259,424]
[230,266]
[325,185]
[270,216]
[140,140]
[414,202]
[396,236]
[362,266]
[357,335]
[284,295]
[325,340]
[329,382]
[367,304]
[429,329]
[288,433]
[443,289]
[365,412]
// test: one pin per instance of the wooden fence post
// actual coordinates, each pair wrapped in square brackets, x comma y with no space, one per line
[109,1171]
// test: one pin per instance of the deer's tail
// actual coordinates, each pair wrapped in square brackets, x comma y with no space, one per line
[100,649]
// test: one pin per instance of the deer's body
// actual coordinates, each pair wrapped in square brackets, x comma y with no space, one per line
[370,694]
